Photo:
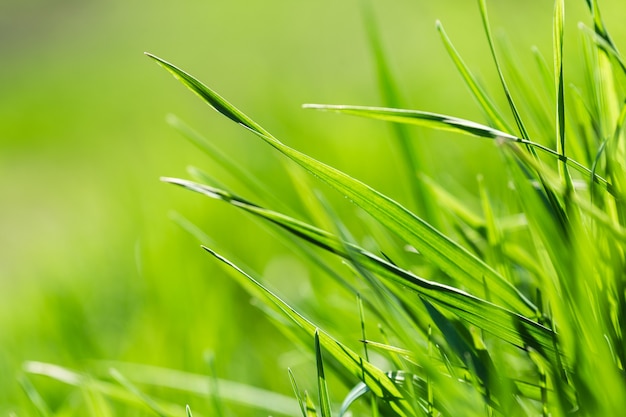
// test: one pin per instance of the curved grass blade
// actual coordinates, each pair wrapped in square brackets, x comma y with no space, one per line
[493,114]
[511,327]
[454,124]
[354,394]
[456,261]
[375,379]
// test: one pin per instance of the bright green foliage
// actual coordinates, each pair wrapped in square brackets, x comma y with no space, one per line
[515,309]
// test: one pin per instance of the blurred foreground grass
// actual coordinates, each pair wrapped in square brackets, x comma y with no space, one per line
[91,267]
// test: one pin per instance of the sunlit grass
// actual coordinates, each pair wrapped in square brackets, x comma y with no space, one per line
[474,306]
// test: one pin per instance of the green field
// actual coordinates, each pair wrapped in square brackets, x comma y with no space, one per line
[99,270]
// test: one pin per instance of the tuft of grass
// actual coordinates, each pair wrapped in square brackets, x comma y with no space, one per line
[502,306]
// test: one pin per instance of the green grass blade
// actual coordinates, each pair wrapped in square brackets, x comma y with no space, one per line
[188,410]
[376,379]
[533,99]
[493,114]
[210,97]
[453,124]
[34,396]
[322,387]
[451,258]
[197,384]
[507,92]
[234,168]
[296,392]
[391,98]
[559,18]
[354,394]
[82,381]
[123,381]
[544,71]
[603,37]
[311,411]
[513,328]
[619,128]
[214,382]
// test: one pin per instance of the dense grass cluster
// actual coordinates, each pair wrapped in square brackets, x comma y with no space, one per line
[515,308]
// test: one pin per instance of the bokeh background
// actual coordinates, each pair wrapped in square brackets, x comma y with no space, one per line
[91,266]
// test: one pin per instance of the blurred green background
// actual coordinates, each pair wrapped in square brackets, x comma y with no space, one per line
[91,266]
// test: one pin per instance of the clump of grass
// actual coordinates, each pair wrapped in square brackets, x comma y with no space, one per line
[521,314]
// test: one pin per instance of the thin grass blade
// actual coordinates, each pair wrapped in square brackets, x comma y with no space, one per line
[392,98]
[453,124]
[296,391]
[493,114]
[123,381]
[559,18]
[322,387]
[507,92]
[34,396]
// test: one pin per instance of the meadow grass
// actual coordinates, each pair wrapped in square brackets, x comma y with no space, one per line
[514,308]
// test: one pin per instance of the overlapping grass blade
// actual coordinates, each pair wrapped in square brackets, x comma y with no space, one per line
[603,37]
[559,17]
[536,103]
[453,124]
[513,328]
[322,386]
[507,92]
[375,379]
[311,411]
[451,258]
[493,114]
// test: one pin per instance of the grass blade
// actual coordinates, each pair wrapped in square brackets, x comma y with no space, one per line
[123,381]
[559,17]
[513,328]
[322,387]
[296,391]
[451,258]
[391,98]
[35,398]
[493,114]
[378,382]
[507,92]
[454,124]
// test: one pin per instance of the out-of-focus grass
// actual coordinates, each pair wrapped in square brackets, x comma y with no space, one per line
[90,265]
